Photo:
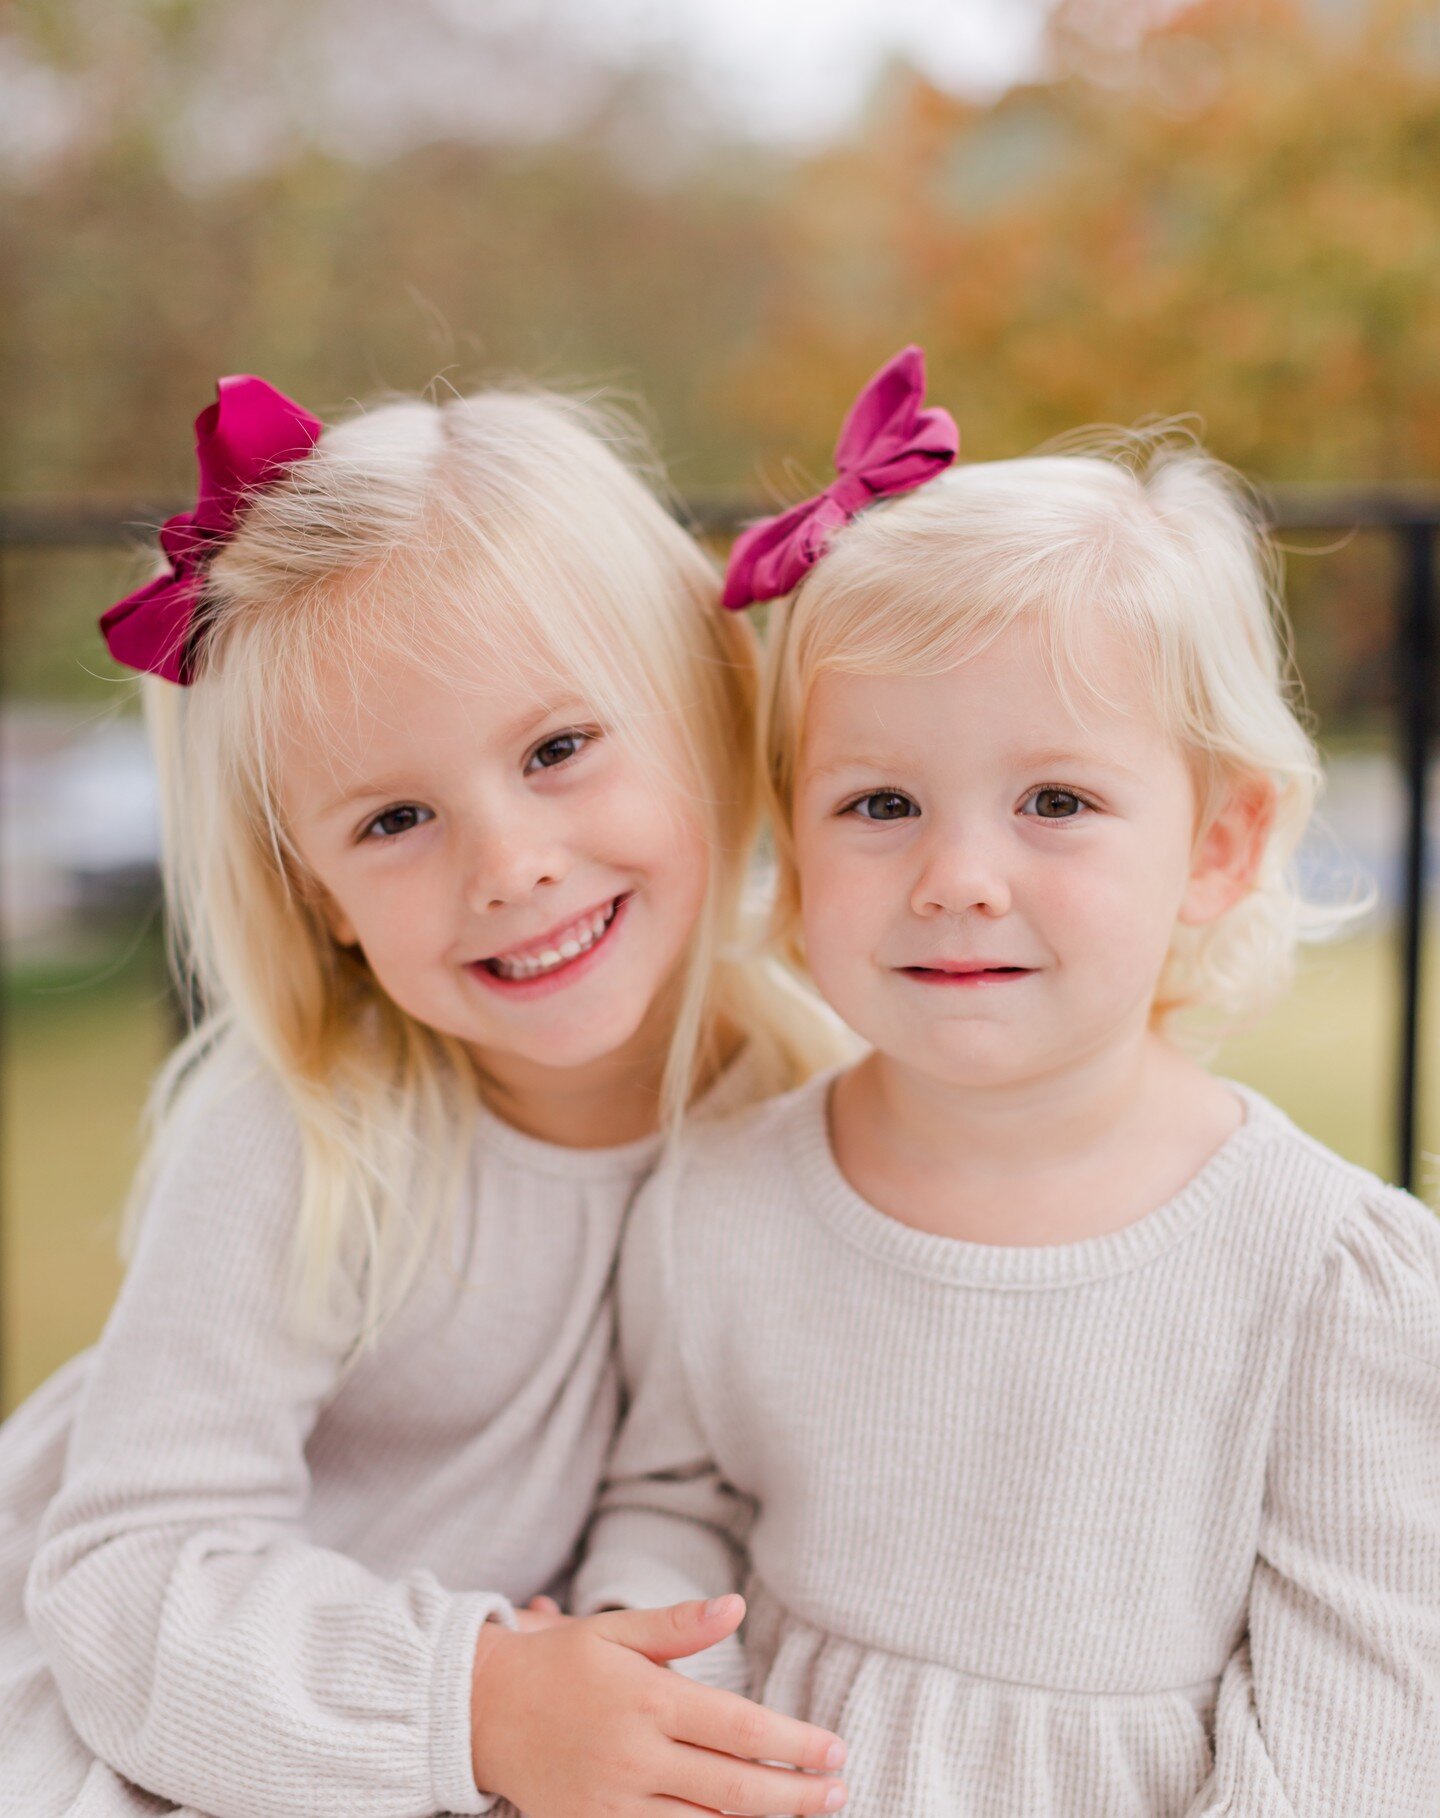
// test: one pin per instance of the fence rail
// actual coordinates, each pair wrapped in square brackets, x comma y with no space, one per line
[1409,517]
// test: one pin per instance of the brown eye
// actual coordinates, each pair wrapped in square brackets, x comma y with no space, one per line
[398,820]
[885,805]
[557,751]
[1056,804]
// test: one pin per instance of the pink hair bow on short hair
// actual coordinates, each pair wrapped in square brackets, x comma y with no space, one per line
[243,441]
[888,445]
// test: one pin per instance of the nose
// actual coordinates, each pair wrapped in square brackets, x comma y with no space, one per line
[961,871]
[510,854]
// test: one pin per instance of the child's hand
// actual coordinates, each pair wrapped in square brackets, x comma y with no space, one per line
[540,1613]
[579,1718]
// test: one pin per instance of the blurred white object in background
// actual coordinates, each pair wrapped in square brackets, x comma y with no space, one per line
[79,826]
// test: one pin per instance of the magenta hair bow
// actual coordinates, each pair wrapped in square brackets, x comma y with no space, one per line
[242,442]
[888,445]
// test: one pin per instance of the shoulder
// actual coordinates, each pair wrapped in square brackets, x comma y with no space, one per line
[749,1143]
[226,1137]
[737,1162]
[716,1203]
[230,1086]
[1359,1418]
[1371,1251]
[1380,1273]
[231,1105]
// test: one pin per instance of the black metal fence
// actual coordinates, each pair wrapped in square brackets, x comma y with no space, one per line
[1410,519]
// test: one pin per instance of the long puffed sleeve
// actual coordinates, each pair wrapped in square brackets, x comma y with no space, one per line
[1331,1706]
[668,1527]
[204,1647]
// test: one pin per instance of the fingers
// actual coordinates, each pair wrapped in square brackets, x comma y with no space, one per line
[532,1621]
[720,1783]
[539,1613]
[674,1631]
[731,1725]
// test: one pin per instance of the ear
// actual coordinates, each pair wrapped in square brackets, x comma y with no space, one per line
[1228,851]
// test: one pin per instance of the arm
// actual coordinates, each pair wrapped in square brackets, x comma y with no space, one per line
[668,1527]
[203,1645]
[208,1650]
[1331,1705]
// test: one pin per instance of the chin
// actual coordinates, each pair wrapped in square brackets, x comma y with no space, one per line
[968,1065]
[569,1047]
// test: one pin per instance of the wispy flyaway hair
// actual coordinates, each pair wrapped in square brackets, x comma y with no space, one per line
[1143,528]
[484,533]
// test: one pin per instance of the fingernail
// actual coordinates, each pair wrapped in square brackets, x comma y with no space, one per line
[719,1606]
[835,1755]
[835,1798]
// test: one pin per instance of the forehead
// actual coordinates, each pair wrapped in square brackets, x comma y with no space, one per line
[1011,696]
[372,708]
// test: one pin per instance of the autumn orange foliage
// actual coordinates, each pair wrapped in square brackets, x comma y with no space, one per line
[1233,211]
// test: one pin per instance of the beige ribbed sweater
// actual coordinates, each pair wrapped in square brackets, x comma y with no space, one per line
[255,1577]
[1142,1526]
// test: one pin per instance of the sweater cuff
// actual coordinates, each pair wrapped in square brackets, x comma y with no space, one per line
[614,1582]
[724,1666]
[451,1772]
[643,1559]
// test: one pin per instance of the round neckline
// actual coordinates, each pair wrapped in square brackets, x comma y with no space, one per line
[493,1135]
[964,1262]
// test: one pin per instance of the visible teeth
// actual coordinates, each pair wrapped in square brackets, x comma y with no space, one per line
[580,940]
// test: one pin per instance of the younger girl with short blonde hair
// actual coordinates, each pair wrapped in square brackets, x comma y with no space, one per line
[1081,1415]
[451,745]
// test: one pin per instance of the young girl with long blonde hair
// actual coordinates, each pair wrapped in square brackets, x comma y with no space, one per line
[451,742]
[1081,1415]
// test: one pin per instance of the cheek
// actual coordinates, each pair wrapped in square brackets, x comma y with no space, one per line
[623,821]
[1122,908]
[397,915]
[668,851]
[845,897]
[688,860]
[623,817]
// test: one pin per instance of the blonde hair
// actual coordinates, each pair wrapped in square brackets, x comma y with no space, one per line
[455,532]
[1144,527]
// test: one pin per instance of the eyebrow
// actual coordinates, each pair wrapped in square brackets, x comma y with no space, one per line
[861,761]
[360,793]
[1050,759]
[1060,759]
[516,728]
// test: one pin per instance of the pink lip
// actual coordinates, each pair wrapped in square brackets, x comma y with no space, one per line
[973,975]
[539,942]
[567,974]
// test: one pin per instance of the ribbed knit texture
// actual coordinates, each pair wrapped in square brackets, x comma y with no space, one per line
[1142,1526]
[255,1575]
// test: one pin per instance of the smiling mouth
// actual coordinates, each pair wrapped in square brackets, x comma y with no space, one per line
[563,948]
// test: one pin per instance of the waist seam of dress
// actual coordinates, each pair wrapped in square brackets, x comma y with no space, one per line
[832,1637]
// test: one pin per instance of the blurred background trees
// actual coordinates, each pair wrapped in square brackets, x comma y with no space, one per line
[1230,208]
[1236,213]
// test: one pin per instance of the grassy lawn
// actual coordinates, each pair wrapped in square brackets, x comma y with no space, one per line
[79,1054]
[78,1057]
